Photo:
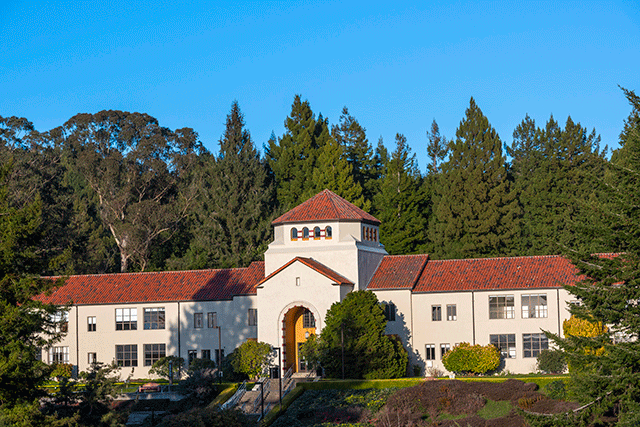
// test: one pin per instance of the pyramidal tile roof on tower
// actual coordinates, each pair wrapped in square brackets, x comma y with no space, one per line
[326,206]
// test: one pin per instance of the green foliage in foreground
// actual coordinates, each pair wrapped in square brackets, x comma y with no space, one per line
[472,358]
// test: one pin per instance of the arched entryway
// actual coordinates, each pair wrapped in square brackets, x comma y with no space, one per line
[298,325]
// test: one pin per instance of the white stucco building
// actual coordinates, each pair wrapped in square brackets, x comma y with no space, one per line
[322,250]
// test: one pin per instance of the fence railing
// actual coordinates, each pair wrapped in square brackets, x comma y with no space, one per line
[233,400]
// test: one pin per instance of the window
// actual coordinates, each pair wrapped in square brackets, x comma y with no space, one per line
[436,313]
[212,320]
[389,311]
[308,321]
[316,233]
[154,352]
[533,344]
[253,317]
[61,319]
[219,355]
[154,318]
[506,343]
[205,354]
[534,306]
[327,232]
[91,323]
[192,355]
[197,320]
[305,233]
[430,352]
[501,307]
[59,355]
[444,348]
[452,312]
[126,319]
[92,358]
[297,281]
[294,233]
[127,355]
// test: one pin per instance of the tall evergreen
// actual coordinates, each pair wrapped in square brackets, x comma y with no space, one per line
[293,157]
[400,203]
[553,175]
[359,153]
[231,222]
[475,210]
[610,295]
[437,148]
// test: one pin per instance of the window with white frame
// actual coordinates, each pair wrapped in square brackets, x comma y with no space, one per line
[127,355]
[436,313]
[153,353]
[61,319]
[534,306]
[91,323]
[197,320]
[59,355]
[212,319]
[126,319]
[154,318]
[452,312]
[533,344]
[506,343]
[444,348]
[252,315]
[92,358]
[501,307]
[430,352]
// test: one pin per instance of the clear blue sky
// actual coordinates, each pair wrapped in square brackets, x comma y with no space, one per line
[395,65]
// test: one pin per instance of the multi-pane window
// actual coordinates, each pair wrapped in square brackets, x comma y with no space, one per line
[92,358]
[452,312]
[153,353]
[91,323]
[436,313]
[154,318]
[316,233]
[61,319]
[533,344]
[205,354]
[126,319]
[506,343]
[501,307]
[219,355]
[127,355]
[305,233]
[430,352]
[252,317]
[534,306]
[192,355]
[59,355]
[294,233]
[444,348]
[197,320]
[327,232]
[308,321]
[212,319]
[389,311]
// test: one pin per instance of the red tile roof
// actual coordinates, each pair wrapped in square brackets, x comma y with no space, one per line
[315,265]
[398,272]
[497,273]
[194,285]
[326,206]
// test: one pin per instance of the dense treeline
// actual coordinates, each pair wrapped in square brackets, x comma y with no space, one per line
[119,192]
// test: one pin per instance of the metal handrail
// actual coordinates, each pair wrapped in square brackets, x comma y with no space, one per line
[233,400]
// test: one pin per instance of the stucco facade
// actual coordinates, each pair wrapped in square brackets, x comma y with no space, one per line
[321,251]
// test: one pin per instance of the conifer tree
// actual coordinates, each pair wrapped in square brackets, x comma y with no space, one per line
[400,203]
[359,153]
[610,295]
[293,157]
[232,219]
[475,211]
[437,149]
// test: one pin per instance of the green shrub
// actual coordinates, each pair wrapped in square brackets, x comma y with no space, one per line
[556,390]
[62,370]
[161,367]
[478,359]
[552,361]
